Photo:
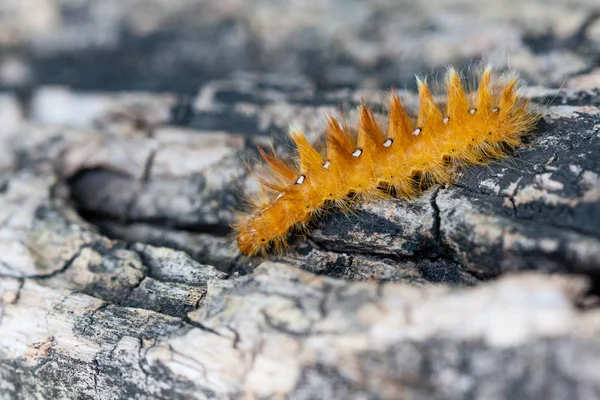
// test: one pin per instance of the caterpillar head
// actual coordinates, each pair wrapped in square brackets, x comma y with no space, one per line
[249,239]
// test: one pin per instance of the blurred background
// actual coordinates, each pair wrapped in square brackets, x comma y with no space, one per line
[177,45]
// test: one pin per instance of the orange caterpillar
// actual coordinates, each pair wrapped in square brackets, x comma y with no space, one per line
[471,129]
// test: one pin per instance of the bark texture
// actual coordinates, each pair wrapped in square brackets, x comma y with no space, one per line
[118,278]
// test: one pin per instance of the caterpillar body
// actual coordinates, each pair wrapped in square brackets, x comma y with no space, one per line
[471,128]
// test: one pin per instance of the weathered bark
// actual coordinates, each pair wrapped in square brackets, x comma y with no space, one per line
[166,44]
[118,278]
[87,316]
[282,331]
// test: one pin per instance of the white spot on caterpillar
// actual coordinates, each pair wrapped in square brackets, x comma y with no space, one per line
[417,131]
[388,143]
[357,153]
[300,180]
[280,195]
[495,109]
[472,111]
[446,120]
[327,164]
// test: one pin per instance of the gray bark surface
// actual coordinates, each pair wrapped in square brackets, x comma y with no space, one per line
[119,278]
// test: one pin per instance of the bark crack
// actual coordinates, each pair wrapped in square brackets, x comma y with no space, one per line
[139,186]
[437,218]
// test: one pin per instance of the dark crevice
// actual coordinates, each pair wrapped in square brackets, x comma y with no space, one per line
[163,237]
[511,198]
[148,166]
[96,371]
[142,362]
[592,296]
[146,264]
[199,325]
[279,327]
[65,266]
[236,337]
[139,186]
[19,288]
[327,290]
[437,219]
[417,257]
[182,111]
[96,218]
[117,199]
[414,257]
[132,289]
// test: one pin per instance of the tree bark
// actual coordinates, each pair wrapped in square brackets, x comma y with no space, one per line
[118,275]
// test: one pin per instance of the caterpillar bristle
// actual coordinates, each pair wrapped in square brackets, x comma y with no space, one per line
[281,170]
[406,158]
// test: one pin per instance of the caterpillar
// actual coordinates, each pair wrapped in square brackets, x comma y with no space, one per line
[471,128]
